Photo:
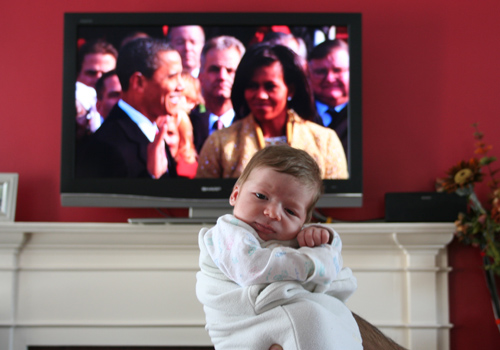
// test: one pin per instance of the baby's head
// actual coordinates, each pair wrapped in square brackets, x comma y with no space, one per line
[279,178]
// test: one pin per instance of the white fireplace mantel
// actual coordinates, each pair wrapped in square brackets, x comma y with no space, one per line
[77,284]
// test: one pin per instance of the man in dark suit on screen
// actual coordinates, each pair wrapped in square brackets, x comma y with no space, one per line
[131,141]
[329,73]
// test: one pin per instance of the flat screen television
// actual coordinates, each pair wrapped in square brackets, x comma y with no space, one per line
[200,194]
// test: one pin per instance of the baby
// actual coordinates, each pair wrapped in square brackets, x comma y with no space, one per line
[265,277]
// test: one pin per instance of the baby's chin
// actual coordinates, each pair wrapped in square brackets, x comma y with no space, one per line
[271,236]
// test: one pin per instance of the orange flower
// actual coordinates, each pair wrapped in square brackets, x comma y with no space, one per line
[461,175]
[482,148]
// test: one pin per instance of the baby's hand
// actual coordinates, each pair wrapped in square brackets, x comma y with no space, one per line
[313,236]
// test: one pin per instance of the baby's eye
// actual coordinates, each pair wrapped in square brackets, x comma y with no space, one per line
[260,196]
[291,212]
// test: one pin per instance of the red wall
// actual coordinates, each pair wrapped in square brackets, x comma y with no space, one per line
[430,69]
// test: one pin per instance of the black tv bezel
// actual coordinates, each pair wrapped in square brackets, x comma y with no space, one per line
[179,193]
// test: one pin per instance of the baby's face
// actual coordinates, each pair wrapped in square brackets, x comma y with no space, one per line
[273,203]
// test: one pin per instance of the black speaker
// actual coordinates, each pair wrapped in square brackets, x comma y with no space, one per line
[423,206]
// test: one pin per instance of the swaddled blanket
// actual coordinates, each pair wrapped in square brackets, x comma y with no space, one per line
[304,315]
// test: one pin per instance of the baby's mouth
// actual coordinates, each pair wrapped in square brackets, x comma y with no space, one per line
[264,229]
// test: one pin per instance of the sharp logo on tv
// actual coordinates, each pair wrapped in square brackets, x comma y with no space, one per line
[211,189]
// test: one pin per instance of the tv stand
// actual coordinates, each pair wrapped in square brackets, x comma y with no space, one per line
[196,216]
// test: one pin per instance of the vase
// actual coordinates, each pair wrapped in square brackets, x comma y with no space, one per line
[492,287]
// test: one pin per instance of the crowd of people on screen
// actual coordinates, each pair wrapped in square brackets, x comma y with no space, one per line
[188,106]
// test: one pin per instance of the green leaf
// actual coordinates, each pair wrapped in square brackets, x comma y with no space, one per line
[487,160]
[478,135]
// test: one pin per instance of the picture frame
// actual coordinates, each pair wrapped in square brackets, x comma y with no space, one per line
[8,196]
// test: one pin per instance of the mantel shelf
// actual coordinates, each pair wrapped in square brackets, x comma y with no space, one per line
[134,284]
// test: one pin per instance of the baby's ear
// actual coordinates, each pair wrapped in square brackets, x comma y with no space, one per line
[234,195]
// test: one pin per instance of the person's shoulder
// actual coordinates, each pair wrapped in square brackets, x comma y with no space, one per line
[119,126]
[298,120]
[231,130]
[319,129]
[227,224]
[245,125]
[230,219]
[237,124]
[116,116]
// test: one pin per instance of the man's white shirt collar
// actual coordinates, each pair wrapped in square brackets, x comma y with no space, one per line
[195,72]
[147,127]
[226,118]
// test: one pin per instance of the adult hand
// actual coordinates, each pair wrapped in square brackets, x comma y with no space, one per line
[157,162]
[275,347]
[373,338]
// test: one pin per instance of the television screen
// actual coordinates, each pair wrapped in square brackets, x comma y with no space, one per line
[90,179]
